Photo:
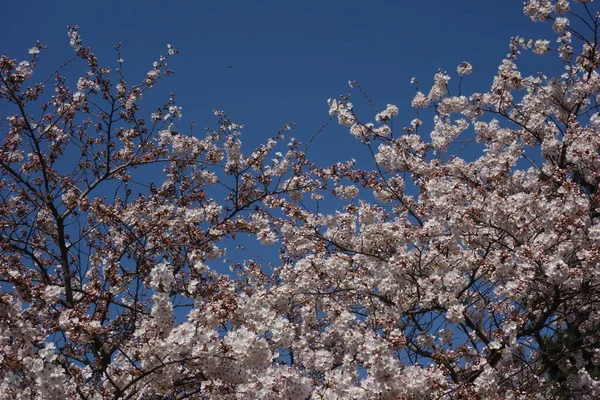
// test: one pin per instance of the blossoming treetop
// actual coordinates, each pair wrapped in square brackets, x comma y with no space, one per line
[437,277]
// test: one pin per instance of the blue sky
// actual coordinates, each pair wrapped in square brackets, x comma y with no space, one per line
[288,57]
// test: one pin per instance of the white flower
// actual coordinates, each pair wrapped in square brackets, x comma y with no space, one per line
[162,275]
[162,312]
[455,313]
[561,6]
[175,111]
[487,381]
[445,132]
[24,69]
[348,192]
[38,366]
[440,87]
[387,114]
[560,24]
[52,293]
[538,10]
[453,105]
[594,232]
[420,101]
[541,46]
[75,39]
[464,68]
[235,159]
[494,345]
[343,112]
[556,271]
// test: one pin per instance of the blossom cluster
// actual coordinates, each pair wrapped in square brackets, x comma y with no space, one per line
[426,276]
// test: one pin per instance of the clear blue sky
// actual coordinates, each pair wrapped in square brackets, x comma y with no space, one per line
[288,57]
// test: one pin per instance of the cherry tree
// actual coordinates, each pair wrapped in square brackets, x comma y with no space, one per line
[437,277]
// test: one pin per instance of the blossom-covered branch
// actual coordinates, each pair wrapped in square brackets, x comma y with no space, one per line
[435,277]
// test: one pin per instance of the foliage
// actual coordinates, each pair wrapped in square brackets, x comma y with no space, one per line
[436,277]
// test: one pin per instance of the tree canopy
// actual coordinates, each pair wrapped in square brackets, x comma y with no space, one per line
[435,276]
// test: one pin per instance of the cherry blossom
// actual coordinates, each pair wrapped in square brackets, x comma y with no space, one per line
[428,275]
